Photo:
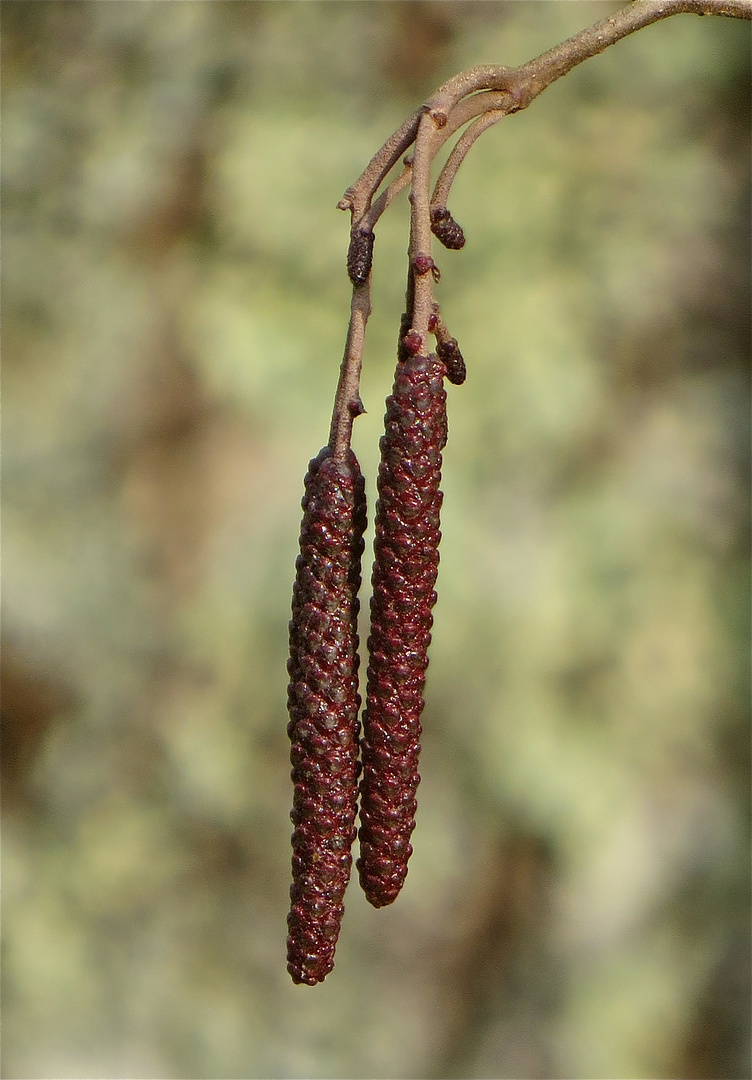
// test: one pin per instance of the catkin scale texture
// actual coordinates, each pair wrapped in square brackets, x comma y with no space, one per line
[360,256]
[446,229]
[406,561]
[323,703]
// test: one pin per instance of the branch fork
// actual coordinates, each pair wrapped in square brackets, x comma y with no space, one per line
[475,99]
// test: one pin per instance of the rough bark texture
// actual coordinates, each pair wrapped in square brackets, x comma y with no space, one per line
[405,568]
[323,703]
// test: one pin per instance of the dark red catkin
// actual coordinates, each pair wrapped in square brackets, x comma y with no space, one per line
[406,560]
[446,229]
[360,255]
[323,703]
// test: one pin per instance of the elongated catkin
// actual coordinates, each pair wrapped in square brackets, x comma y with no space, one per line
[406,560]
[323,703]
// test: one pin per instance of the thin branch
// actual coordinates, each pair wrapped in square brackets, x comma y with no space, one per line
[347,403]
[420,224]
[462,113]
[484,94]
[459,152]
[358,196]
[387,196]
[526,82]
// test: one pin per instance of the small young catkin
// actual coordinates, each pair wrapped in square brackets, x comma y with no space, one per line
[454,361]
[323,703]
[406,551]
[446,229]
[360,255]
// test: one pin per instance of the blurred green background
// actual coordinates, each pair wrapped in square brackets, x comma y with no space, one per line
[175,307]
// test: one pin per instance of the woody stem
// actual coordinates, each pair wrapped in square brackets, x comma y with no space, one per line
[347,403]
[526,82]
[420,223]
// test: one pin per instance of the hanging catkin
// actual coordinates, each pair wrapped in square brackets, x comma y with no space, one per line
[323,703]
[406,560]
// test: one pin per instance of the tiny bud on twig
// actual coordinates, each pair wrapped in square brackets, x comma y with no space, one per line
[422,263]
[413,342]
[360,255]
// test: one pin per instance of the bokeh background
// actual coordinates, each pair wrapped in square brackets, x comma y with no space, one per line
[175,307]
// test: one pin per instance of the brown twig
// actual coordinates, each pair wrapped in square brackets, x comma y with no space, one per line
[488,93]
[358,196]
[526,82]
[347,403]
[461,114]
[421,237]
[459,152]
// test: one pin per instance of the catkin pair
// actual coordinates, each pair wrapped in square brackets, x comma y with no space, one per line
[323,699]
[323,704]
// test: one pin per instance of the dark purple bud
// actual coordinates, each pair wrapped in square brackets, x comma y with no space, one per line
[360,255]
[422,263]
[446,229]
[454,362]
[413,342]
